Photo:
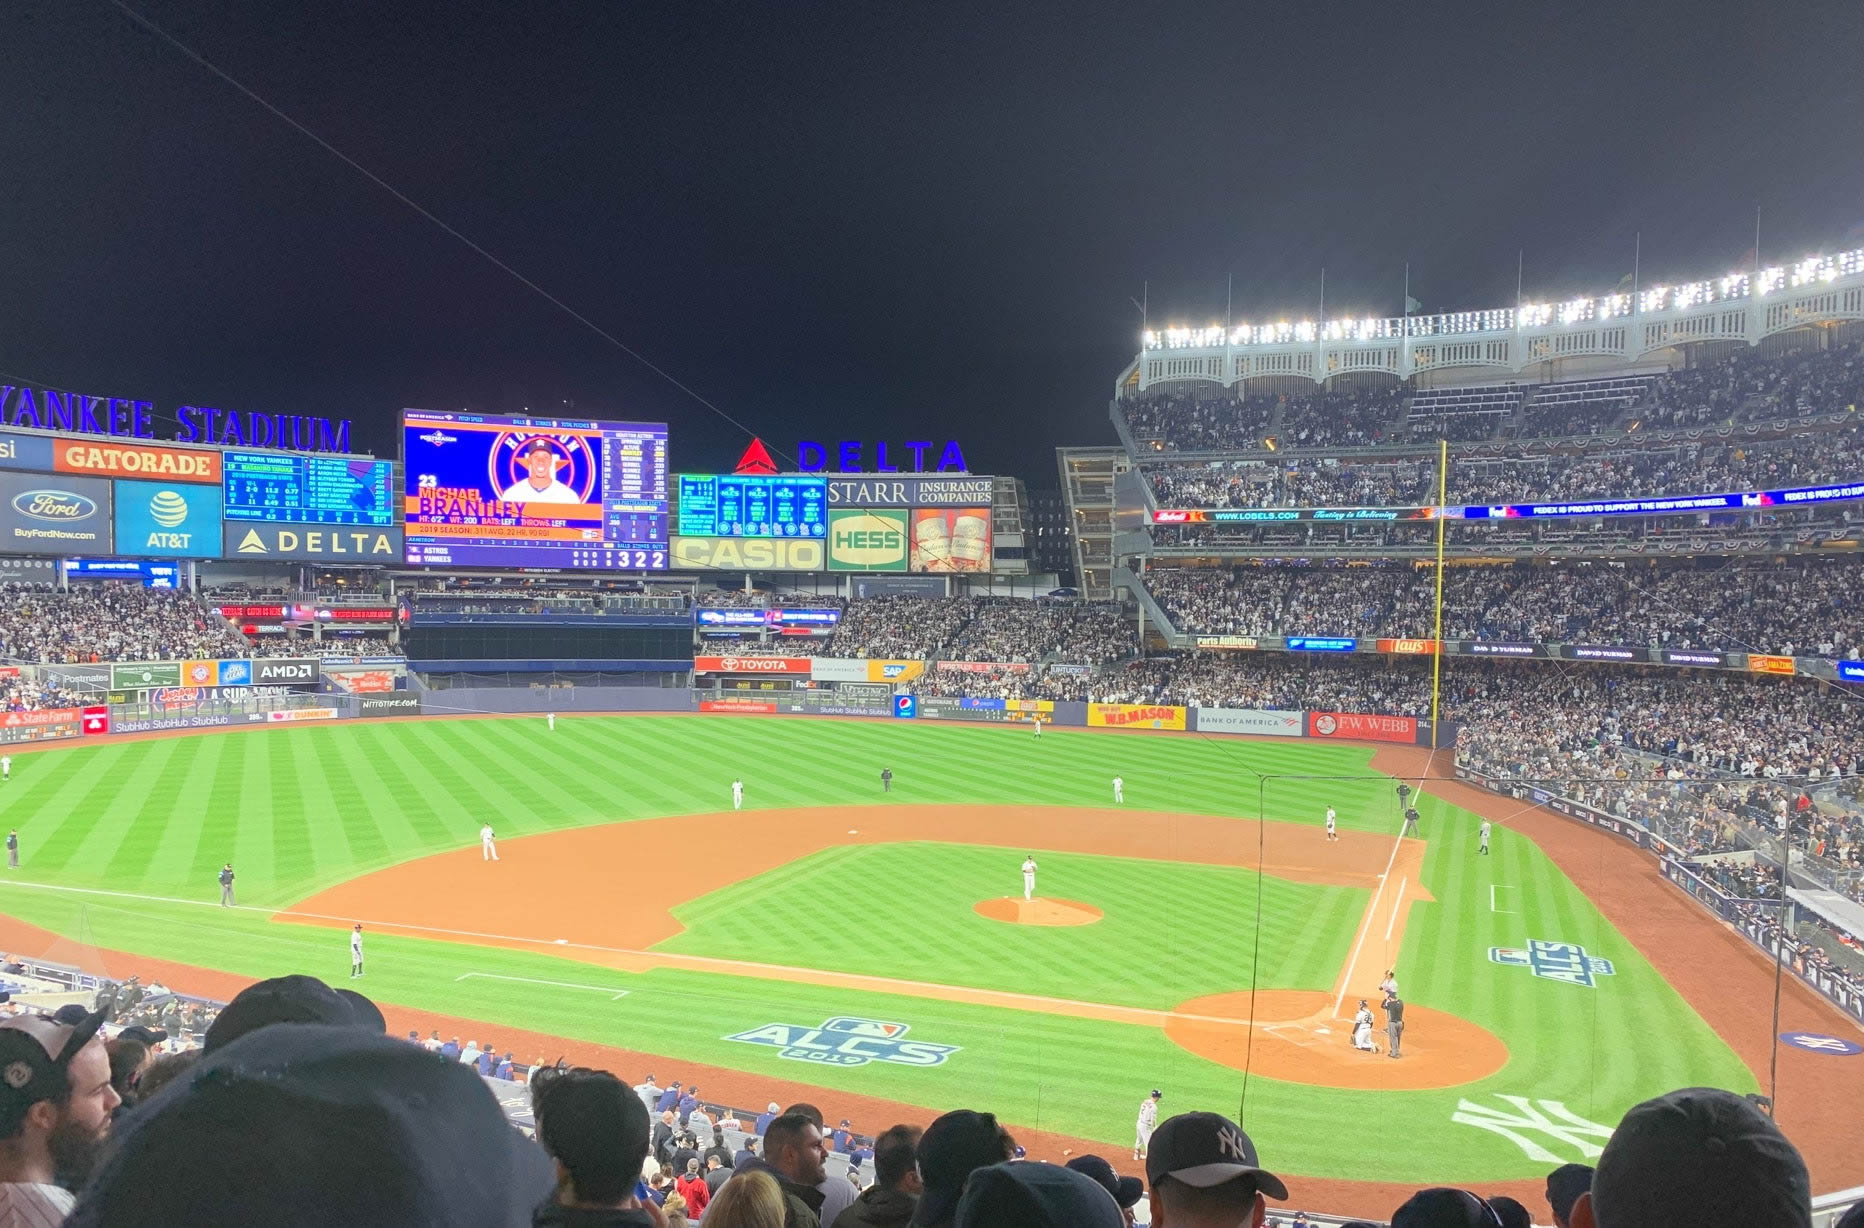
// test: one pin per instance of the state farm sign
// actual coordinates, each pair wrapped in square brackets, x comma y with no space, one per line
[751,665]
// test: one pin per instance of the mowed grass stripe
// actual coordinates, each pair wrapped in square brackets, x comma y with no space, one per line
[341,768]
[159,795]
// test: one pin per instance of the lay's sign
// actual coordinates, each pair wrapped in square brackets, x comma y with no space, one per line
[1135,716]
[860,540]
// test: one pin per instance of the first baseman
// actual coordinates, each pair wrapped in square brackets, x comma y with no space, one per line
[1029,877]
[488,851]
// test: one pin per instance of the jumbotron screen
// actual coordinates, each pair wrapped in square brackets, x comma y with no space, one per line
[484,490]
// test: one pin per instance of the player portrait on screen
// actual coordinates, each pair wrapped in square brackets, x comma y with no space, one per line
[540,484]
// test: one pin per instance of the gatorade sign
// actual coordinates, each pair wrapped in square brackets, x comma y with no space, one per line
[866,541]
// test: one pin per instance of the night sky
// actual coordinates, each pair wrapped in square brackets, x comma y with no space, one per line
[866,220]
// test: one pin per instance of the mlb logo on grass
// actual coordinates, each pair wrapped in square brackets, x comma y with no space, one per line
[1555,961]
[846,1041]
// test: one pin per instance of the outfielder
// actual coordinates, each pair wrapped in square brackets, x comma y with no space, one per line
[6,767]
[1147,1123]
[488,850]
[737,795]
[1119,790]
[1029,877]
[1038,725]
[355,950]
[550,718]
[1331,833]
[1482,835]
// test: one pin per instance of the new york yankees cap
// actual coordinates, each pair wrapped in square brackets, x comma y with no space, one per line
[1703,1157]
[1442,1207]
[1206,1149]
[35,1057]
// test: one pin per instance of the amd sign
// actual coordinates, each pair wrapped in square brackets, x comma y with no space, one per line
[285,672]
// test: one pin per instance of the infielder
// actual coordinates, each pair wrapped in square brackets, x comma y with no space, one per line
[1148,1122]
[355,950]
[1029,877]
[550,718]
[1331,833]
[737,795]
[1119,790]
[488,850]
[1482,835]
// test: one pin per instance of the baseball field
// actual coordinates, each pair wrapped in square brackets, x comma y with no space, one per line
[872,950]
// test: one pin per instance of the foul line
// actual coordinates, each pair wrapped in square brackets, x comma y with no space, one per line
[1143,1016]
[1396,905]
[531,980]
[1352,964]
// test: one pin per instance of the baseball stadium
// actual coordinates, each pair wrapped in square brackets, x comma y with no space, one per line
[792,797]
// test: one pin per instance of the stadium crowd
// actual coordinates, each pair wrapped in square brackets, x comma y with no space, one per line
[299,1108]
[984,629]
[110,622]
[1807,606]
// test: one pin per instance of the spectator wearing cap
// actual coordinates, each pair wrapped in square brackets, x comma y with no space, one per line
[56,1103]
[1126,1191]
[669,1099]
[129,1057]
[1442,1207]
[291,1109]
[595,1128]
[688,1102]
[282,999]
[1564,1186]
[842,1137]
[1697,1158]
[747,1152]
[890,1201]
[951,1149]
[1510,1212]
[1035,1196]
[1203,1173]
[794,1154]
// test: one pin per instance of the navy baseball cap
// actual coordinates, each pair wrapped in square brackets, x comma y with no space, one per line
[1703,1157]
[1442,1207]
[322,1125]
[1035,1195]
[282,999]
[1125,1190]
[1206,1149]
[35,1061]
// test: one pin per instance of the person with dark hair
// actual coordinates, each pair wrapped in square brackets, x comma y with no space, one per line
[951,1149]
[56,1102]
[595,1128]
[717,1172]
[1564,1186]
[890,1201]
[128,1058]
[794,1153]
[837,1195]
[717,1149]
[1443,1207]
[165,1070]
[1511,1213]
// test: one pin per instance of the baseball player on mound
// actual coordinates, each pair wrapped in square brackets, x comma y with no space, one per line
[1029,877]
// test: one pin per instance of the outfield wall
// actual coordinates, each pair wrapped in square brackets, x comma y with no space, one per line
[1746,916]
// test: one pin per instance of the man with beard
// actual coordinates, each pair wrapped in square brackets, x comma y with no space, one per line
[55,1107]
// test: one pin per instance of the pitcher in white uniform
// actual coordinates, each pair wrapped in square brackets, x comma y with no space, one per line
[1029,877]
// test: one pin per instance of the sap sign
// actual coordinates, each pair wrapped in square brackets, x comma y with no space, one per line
[168,520]
[850,456]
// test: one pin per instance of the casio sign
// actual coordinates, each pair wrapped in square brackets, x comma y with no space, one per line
[55,505]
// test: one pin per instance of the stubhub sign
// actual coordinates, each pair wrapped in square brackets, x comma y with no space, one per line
[168,520]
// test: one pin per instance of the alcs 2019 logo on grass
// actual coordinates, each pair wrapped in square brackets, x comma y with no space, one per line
[1556,961]
[843,1041]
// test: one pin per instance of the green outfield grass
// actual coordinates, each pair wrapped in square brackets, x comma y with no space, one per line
[301,809]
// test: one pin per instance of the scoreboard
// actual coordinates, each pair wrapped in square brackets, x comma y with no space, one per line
[279,486]
[751,505]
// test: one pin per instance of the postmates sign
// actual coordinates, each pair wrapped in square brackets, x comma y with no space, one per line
[1555,961]
[847,1041]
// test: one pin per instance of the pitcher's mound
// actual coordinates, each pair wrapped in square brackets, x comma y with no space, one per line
[1039,912]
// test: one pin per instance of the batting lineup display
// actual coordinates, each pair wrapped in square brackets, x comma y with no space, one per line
[488,491]
[307,489]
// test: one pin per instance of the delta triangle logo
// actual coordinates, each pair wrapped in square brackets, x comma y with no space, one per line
[252,543]
[756,459]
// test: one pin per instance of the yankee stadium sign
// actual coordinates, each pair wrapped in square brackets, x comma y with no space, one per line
[51,410]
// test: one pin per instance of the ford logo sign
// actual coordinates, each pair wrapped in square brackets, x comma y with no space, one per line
[53,505]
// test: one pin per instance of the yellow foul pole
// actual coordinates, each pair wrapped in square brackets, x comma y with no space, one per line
[1436,657]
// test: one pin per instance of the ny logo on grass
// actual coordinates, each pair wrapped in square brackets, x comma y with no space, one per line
[1550,1118]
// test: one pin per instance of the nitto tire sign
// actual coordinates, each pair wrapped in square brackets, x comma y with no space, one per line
[286,672]
[391,705]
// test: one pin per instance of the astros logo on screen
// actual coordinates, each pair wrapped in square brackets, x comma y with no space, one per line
[530,468]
